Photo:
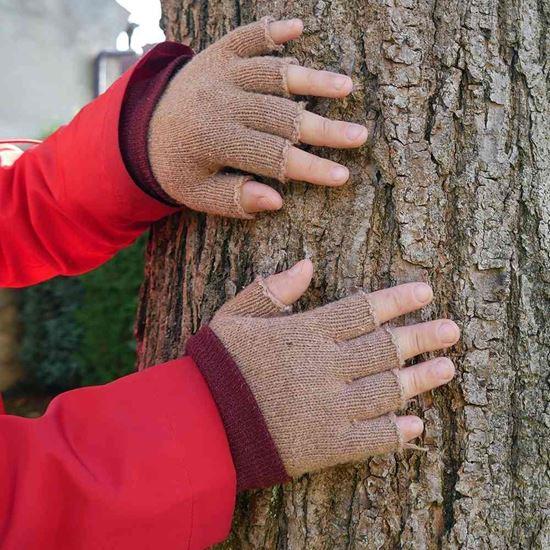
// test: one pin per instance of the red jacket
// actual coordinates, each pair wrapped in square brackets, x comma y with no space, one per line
[142,462]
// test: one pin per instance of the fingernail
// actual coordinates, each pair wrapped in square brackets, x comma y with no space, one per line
[339,173]
[445,369]
[267,204]
[417,425]
[340,82]
[294,22]
[355,131]
[423,293]
[297,269]
[448,332]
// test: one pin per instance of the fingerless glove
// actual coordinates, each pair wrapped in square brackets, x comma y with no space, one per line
[223,110]
[298,393]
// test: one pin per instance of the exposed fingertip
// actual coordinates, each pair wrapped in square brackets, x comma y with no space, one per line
[270,203]
[258,197]
[289,285]
[308,267]
[423,293]
[445,369]
[303,267]
[448,332]
[339,174]
[296,269]
[356,133]
[342,83]
[416,426]
[296,24]
[410,426]
[285,30]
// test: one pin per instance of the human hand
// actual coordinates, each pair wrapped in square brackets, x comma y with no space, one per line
[230,107]
[325,383]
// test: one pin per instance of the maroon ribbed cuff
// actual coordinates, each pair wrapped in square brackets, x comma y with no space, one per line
[257,461]
[144,89]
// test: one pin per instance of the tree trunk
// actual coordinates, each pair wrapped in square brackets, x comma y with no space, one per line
[453,190]
[10,369]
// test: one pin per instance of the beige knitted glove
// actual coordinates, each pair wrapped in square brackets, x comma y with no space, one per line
[298,393]
[219,111]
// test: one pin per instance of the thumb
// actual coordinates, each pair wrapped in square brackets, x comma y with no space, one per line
[289,285]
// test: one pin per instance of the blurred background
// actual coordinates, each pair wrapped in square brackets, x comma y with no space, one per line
[57,55]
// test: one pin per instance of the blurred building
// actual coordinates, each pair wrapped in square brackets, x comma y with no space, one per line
[49,60]
[54,57]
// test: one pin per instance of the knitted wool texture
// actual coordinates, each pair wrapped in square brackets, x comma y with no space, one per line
[224,110]
[326,381]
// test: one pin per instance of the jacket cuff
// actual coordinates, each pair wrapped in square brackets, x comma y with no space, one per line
[145,87]
[255,456]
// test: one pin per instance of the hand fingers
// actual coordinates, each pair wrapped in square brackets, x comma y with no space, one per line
[377,436]
[302,80]
[424,337]
[288,119]
[318,130]
[426,376]
[289,285]
[283,31]
[399,300]
[258,197]
[410,426]
[269,297]
[306,81]
[259,38]
[304,166]
[387,391]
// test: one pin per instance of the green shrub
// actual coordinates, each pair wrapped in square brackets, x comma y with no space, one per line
[51,335]
[79,331]
[107,317]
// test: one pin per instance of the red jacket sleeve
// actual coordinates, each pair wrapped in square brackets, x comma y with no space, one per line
[70,204]
[140,463]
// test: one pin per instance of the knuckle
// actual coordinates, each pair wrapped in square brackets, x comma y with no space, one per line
[312,163]
[395,299]
[325,127]
[417,341]
[415,381]
[418,425]
[326,78]
[433,375]
[310,77]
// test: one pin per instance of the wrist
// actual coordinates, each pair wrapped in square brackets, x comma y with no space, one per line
[255,455]
[144,91]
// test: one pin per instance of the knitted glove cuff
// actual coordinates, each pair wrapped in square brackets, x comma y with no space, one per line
[145,88]
[257,461]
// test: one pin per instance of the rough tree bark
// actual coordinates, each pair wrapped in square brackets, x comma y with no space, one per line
[454,190]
